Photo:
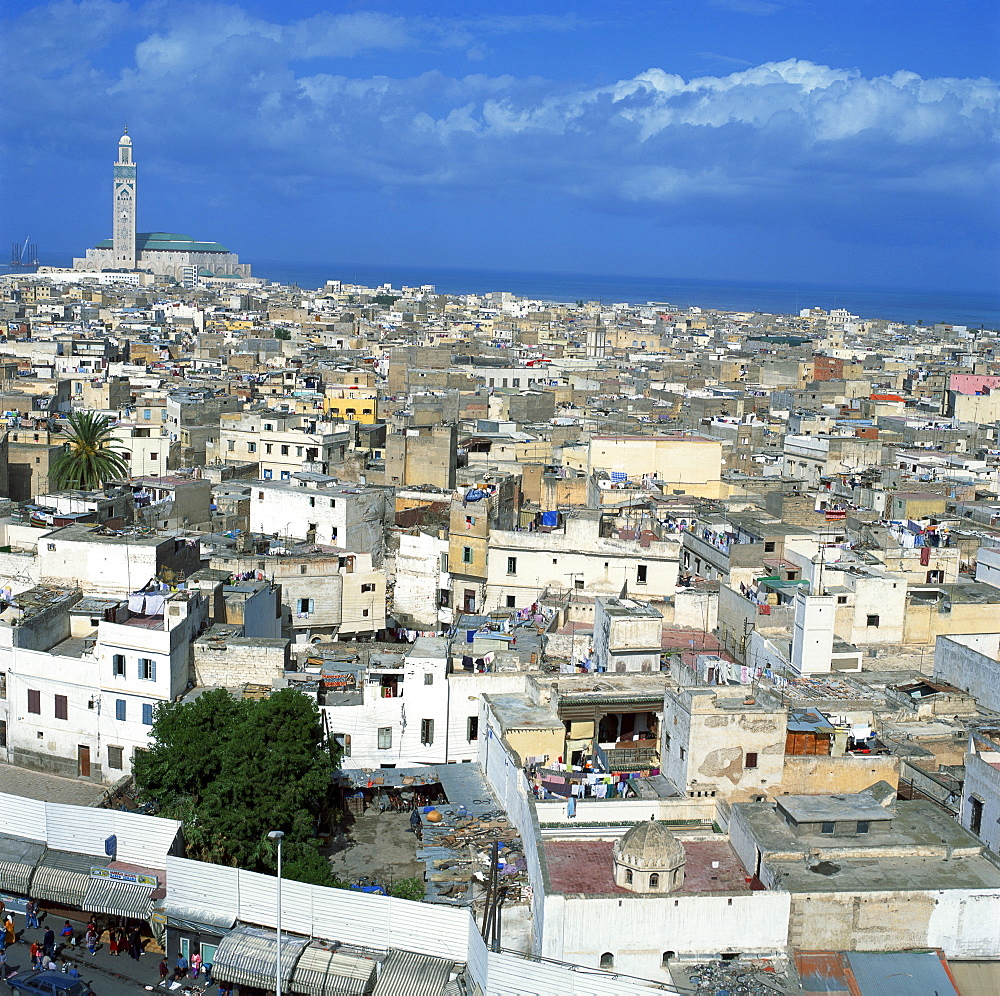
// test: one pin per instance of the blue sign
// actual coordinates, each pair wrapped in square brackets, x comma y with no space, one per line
[111,846]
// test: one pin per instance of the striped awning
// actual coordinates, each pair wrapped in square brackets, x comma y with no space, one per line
[406,973]
[320,972]
[247,956]
[18,860]
[64,886]
[127,899]
[15,876]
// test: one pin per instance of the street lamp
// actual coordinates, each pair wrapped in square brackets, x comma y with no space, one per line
[277,835]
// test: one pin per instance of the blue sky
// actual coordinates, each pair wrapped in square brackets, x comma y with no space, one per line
[850,143]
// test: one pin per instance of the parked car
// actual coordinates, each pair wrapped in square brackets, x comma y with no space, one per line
[49,984]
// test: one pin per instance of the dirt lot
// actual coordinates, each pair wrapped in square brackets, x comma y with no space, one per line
[378,846]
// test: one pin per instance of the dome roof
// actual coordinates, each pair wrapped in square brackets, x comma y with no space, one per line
[125,140]
[650,845]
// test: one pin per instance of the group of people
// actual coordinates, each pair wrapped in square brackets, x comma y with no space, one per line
[185,969]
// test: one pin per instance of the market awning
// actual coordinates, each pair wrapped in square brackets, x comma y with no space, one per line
[406,973]
[64,878]
[128,899]
[321,972]
[247,956]
[196,919]
[18,859]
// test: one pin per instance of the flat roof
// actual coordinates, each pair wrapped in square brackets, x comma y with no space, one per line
[832,808]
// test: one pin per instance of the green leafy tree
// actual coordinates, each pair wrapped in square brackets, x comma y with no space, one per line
[408,888]
[282,334]
[91,457]
[233,770]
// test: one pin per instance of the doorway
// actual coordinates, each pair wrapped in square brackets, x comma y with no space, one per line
[83,761]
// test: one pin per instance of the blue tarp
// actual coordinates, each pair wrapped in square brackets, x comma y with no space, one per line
[550,518]
[474,494]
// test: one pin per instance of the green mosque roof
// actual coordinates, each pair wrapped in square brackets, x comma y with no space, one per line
[166,242]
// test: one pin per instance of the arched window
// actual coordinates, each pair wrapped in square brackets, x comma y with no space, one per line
[628,876]
[607,960]
[654,881]
[668,956]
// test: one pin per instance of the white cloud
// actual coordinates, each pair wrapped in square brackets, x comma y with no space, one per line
[253,99]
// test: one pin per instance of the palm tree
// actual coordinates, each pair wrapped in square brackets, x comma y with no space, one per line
[90,458]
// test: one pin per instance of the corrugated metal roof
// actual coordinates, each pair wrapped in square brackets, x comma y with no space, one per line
[247,956]
[406,973]
[129,899]
[976,978]
[321,972]
[900,973]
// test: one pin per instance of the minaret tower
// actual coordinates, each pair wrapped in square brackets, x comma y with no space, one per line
[124,221]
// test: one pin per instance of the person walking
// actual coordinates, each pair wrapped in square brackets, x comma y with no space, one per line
[8,928]
[122,940]
[134,945]
[31,915]
[113,939]
[195,965]
[91,939]
[49,942]
[164,970]
[67,934]
[36,955]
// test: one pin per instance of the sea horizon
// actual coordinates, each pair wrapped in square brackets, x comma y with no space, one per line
[906,305]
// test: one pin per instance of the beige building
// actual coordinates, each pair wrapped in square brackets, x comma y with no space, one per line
[683,464]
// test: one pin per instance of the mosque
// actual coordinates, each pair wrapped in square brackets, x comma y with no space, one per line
[163,253]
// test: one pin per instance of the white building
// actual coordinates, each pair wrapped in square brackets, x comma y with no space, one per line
[161,252]
[84,675]
[317,509]
[422,595]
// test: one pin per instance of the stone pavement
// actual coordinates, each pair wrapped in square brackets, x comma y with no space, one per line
[49,788]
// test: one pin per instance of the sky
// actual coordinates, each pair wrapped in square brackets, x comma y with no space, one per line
[795,141]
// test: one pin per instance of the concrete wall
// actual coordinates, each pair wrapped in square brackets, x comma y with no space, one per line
[970,662]
[638,930]
[236,661]
[982,780]
[824,775]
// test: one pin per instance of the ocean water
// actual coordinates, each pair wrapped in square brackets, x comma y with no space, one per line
[956,308]
[973,309]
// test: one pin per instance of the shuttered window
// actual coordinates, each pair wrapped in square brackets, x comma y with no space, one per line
[35,701]
[62,707]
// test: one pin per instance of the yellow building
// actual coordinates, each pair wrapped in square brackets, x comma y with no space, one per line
[348,404]
[690,465]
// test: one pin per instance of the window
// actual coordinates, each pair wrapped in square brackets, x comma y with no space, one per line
[268,427]
[427,732]
[267,475]
[472,728]
[751,760]
[118,665]
[975,815]
[343,741]
[872,621]
[511,601]
[640,574]
[654,881]
[607,960]
[302,569]
[466,554]
[62,707]
[827,827]
[769,547]
[51,547]
[267,447]
[115,757]
[312,501]
[683,753]
[147,713]
[512,565]
[367,587]
[147,669]
[286,475]
[628,876]
[146,413]
[231,443]
[34,701]
[305,606]
[120,710]
[428,679]
[364,612]
[863,826]
[841,599]
[384,737]
[284,451]
[578,584]
[251,447]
